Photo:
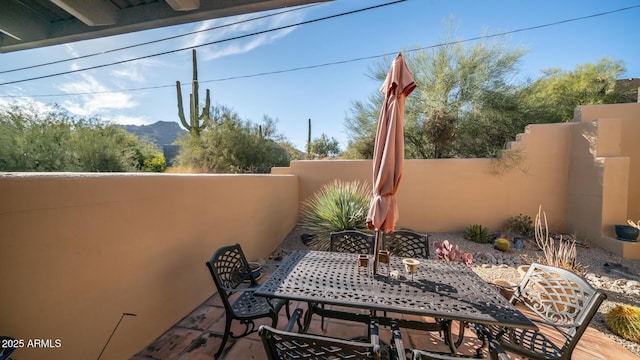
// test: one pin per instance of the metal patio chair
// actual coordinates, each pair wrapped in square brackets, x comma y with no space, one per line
[496,352]
[288,345]
[352,241]
[407,243]
[562,302]
[229,269]
[411,244]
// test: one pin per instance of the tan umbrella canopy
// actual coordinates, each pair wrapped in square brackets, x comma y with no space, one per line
[388,156]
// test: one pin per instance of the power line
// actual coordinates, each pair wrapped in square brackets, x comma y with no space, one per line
[157,40]
[308,67]
[205,44]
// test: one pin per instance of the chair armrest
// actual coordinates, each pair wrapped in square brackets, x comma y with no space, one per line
[503,285]
[566,326]
[239,289]
[397,342]
[496,352]
[295,318]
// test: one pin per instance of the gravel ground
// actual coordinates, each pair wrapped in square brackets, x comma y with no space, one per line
[593,258]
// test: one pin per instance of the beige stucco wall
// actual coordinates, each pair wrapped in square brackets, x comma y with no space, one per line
[619,137]
[79,250]
[604,172]
[450,194]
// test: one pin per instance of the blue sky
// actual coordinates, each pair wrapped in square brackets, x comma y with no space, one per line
[324,94]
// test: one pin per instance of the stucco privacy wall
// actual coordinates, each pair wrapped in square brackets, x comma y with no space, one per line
[78,250]
[450,194]
[604,173]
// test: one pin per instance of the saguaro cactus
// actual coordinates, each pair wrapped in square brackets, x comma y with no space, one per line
[197,122]
[309,141]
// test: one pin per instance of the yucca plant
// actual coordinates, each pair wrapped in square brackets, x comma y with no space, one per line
[624,321]
[336,206]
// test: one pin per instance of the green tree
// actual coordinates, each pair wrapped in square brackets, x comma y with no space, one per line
[452,81]
[554,96]
[324,146]
[294,153]
[32,140]
[229,144]
[361,125]
[484,133]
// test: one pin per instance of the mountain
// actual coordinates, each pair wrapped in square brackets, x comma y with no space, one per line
[161,132]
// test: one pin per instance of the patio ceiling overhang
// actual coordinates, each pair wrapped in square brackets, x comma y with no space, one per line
[28,24]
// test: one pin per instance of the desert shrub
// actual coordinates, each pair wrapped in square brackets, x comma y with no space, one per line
[624,321]
[336,206]
[32,139]
[229,144]
[477,233]
[521,225]
[155,164]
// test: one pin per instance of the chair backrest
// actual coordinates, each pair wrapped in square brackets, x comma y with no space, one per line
[283,345]
[352,241]
[229,268]
[561,298]
[407,243]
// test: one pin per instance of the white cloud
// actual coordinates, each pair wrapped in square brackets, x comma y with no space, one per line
[242,45]
[28,104]
[135,70]
[94,98]
[129,120]
[70,50]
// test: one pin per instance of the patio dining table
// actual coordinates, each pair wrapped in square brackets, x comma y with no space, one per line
[443,290]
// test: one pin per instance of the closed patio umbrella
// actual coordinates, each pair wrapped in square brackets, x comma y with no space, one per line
[388,156]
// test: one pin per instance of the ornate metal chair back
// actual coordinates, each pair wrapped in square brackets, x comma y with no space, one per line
[229,268]
[407,243]
[283,345]
[561,298]
[352,241]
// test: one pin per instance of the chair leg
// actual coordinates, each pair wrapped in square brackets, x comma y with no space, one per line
[288,310]
[225,337]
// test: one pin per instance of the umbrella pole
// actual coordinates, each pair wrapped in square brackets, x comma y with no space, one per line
[376,249]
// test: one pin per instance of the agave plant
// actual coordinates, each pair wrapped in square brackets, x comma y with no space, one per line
[336,206]
[477,233]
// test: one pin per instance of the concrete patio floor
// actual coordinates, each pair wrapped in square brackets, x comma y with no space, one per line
[199,335]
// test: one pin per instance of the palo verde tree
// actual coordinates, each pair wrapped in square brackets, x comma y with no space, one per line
[323,147]
[452,81]
[197,121]
[554,96]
